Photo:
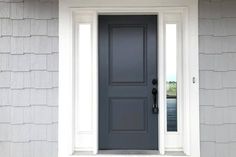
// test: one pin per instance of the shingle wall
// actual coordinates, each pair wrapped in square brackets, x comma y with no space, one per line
[217,39]
[28,78]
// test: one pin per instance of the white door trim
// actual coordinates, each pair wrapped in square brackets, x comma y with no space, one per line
[68,11]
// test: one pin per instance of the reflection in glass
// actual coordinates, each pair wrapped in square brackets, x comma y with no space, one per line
[171,74]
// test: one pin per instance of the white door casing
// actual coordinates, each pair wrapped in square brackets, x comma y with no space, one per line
[81,134]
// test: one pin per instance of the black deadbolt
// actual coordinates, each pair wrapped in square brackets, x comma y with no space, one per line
[154,81]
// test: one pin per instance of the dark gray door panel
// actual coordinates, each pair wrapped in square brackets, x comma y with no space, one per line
[127,66]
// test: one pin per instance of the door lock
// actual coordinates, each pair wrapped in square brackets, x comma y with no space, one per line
[154,81]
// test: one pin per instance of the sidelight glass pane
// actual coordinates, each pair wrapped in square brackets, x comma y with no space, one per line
[171,76]
[84,72]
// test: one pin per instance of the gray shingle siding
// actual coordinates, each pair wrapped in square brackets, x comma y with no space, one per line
[217,46]
[28,78]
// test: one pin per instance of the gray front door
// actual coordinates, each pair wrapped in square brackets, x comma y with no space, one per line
[128,116]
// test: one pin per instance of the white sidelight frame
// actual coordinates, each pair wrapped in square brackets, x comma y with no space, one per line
[174,139]
[75,12]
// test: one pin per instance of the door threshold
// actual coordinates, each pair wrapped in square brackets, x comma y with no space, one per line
[124,153]
[129,152]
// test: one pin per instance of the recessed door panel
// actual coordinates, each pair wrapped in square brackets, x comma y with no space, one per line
[122,69]
[132,113]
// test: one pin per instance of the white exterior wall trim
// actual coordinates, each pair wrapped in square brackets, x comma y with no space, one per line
[67,75]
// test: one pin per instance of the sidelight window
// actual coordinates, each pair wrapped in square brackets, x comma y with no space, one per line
[171,76]
[173,86]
